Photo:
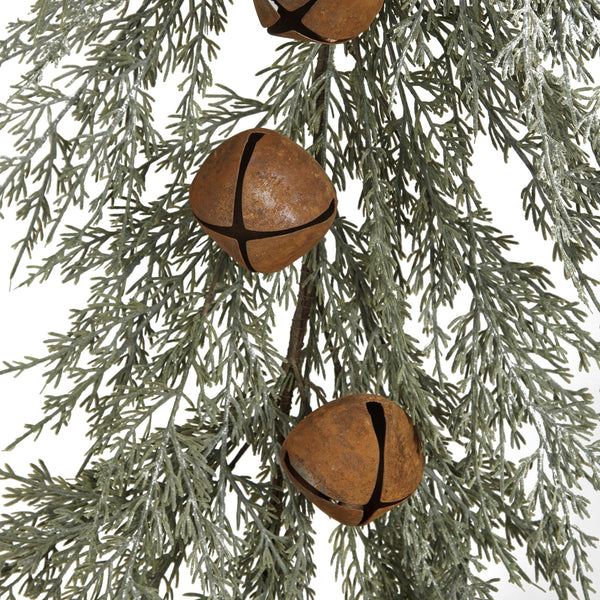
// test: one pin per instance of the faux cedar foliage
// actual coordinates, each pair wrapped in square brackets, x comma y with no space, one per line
[173,358]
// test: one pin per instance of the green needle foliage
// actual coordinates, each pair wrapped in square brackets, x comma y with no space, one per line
[174,359]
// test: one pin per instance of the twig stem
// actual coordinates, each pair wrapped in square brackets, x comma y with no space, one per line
[306,294]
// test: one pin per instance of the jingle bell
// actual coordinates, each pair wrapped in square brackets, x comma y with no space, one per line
[355,458]
[263,199]
[324,21]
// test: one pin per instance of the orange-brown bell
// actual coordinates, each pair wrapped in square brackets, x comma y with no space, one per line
[324,21]
[263,199]
[355,458]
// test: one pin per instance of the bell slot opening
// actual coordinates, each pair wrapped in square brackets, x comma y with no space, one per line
[237,230]
[291,20]
[378,419]
[377,415]
[309,486]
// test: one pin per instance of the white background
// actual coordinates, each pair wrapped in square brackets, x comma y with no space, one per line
[28,314]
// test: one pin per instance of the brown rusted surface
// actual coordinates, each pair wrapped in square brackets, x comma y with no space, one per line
[284,186]
[324,21]
[267,14]
[263,199]
[402,440]
[271,253]
[212,191]
[355,458]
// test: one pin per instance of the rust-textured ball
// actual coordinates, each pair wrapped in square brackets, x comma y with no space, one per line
[324,21]
[263,199]
[355,458]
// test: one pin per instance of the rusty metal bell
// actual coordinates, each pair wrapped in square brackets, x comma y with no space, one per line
[355,458]
[324,21]
[263,199]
